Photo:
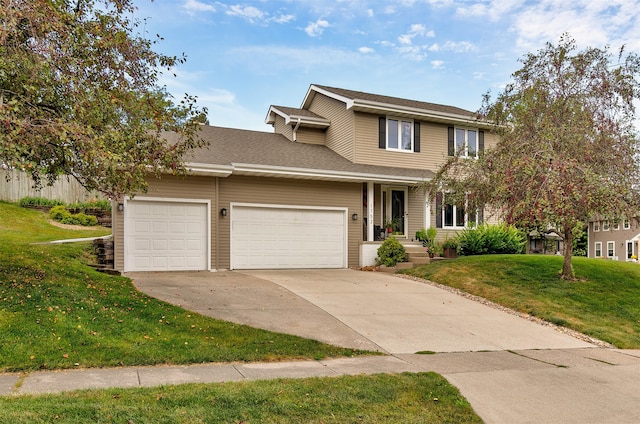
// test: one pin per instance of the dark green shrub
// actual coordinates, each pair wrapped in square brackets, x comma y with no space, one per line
[391,252]
[490,239]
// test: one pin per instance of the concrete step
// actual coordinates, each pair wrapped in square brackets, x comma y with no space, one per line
[420,261]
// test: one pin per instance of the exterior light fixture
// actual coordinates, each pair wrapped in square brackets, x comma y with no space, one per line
[120,207]
[354,217]
[223,211]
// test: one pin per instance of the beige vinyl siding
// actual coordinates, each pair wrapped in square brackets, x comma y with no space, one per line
[433,145]
[282,191]
[280,127]
[170,187]
[340,135]
[310,136]
[416,210]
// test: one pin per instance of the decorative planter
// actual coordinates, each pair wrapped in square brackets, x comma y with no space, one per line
[450,252]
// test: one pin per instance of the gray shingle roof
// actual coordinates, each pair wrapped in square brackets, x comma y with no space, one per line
[229,146]
[396,101]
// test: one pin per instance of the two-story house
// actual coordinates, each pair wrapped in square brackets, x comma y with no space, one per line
[614,239]
[316,193]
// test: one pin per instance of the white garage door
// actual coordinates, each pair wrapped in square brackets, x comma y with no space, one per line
[166,236]
[287,237]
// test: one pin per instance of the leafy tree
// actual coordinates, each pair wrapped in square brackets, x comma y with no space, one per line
[567,149]
[79,96]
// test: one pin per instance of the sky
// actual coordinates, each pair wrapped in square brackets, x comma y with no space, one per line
[244,56]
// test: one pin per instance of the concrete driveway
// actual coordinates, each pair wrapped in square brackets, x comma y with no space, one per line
[366,310]
[510,369]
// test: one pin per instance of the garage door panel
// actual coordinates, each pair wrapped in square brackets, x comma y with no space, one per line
[162,236]
[287,237]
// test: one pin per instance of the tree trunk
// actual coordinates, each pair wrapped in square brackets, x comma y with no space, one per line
[567,268]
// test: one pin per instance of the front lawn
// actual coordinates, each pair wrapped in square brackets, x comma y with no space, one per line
[604,301]
[57,312]
[381,398]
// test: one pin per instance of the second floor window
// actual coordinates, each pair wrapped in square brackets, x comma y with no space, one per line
[397,134]
[469,142]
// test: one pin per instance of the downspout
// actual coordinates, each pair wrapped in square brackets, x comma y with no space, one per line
[295,131]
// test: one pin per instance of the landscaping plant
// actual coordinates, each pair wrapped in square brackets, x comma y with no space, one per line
[391,252]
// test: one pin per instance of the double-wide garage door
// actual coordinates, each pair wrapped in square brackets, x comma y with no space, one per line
[166,236]
[264,237]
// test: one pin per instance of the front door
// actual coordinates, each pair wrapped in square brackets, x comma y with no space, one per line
[395,209]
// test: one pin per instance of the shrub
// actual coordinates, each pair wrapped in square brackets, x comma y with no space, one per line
[490,239]
[391,252]
[62,215]
[38,201]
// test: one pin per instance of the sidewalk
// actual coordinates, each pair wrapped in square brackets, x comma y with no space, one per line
[528,386]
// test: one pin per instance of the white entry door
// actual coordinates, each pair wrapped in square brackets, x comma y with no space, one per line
[280,237]
[166,235]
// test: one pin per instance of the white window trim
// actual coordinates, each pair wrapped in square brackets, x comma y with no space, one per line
[399,148]
[455,214]
[598,246]
[465,148]
[596,226]
[616,225]
[612,243]
[606,226]
[627,224]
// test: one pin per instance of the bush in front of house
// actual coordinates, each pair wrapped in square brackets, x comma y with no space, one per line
[391,252]
[61,214]
[491,239]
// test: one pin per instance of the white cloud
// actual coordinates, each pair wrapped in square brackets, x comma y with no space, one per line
[315,29]
[366,50]
[459,46]
[370,13]
[415,30]
[193,7]
[437,64]
[250,13]
[282,19]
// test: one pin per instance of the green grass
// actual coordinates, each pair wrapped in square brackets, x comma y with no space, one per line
[56,312]
[381,398]
[604,301]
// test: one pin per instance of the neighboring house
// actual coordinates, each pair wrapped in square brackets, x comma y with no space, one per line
[617,240]
[316,193]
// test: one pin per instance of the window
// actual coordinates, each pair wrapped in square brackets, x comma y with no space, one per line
[611,249]
[449,215]
[468,141]
[598,249]
[616,225]
[605,225]
[596,226]
[398,134]
[629,250]
[626,225]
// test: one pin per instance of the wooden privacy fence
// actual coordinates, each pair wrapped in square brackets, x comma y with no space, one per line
[19,184]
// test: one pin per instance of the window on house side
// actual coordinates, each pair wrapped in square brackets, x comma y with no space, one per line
[454,216]
[598,249]
[627,224]
[605,225]
[467,142]
[399,135]
[611,251]
[616,225]
[596,226]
